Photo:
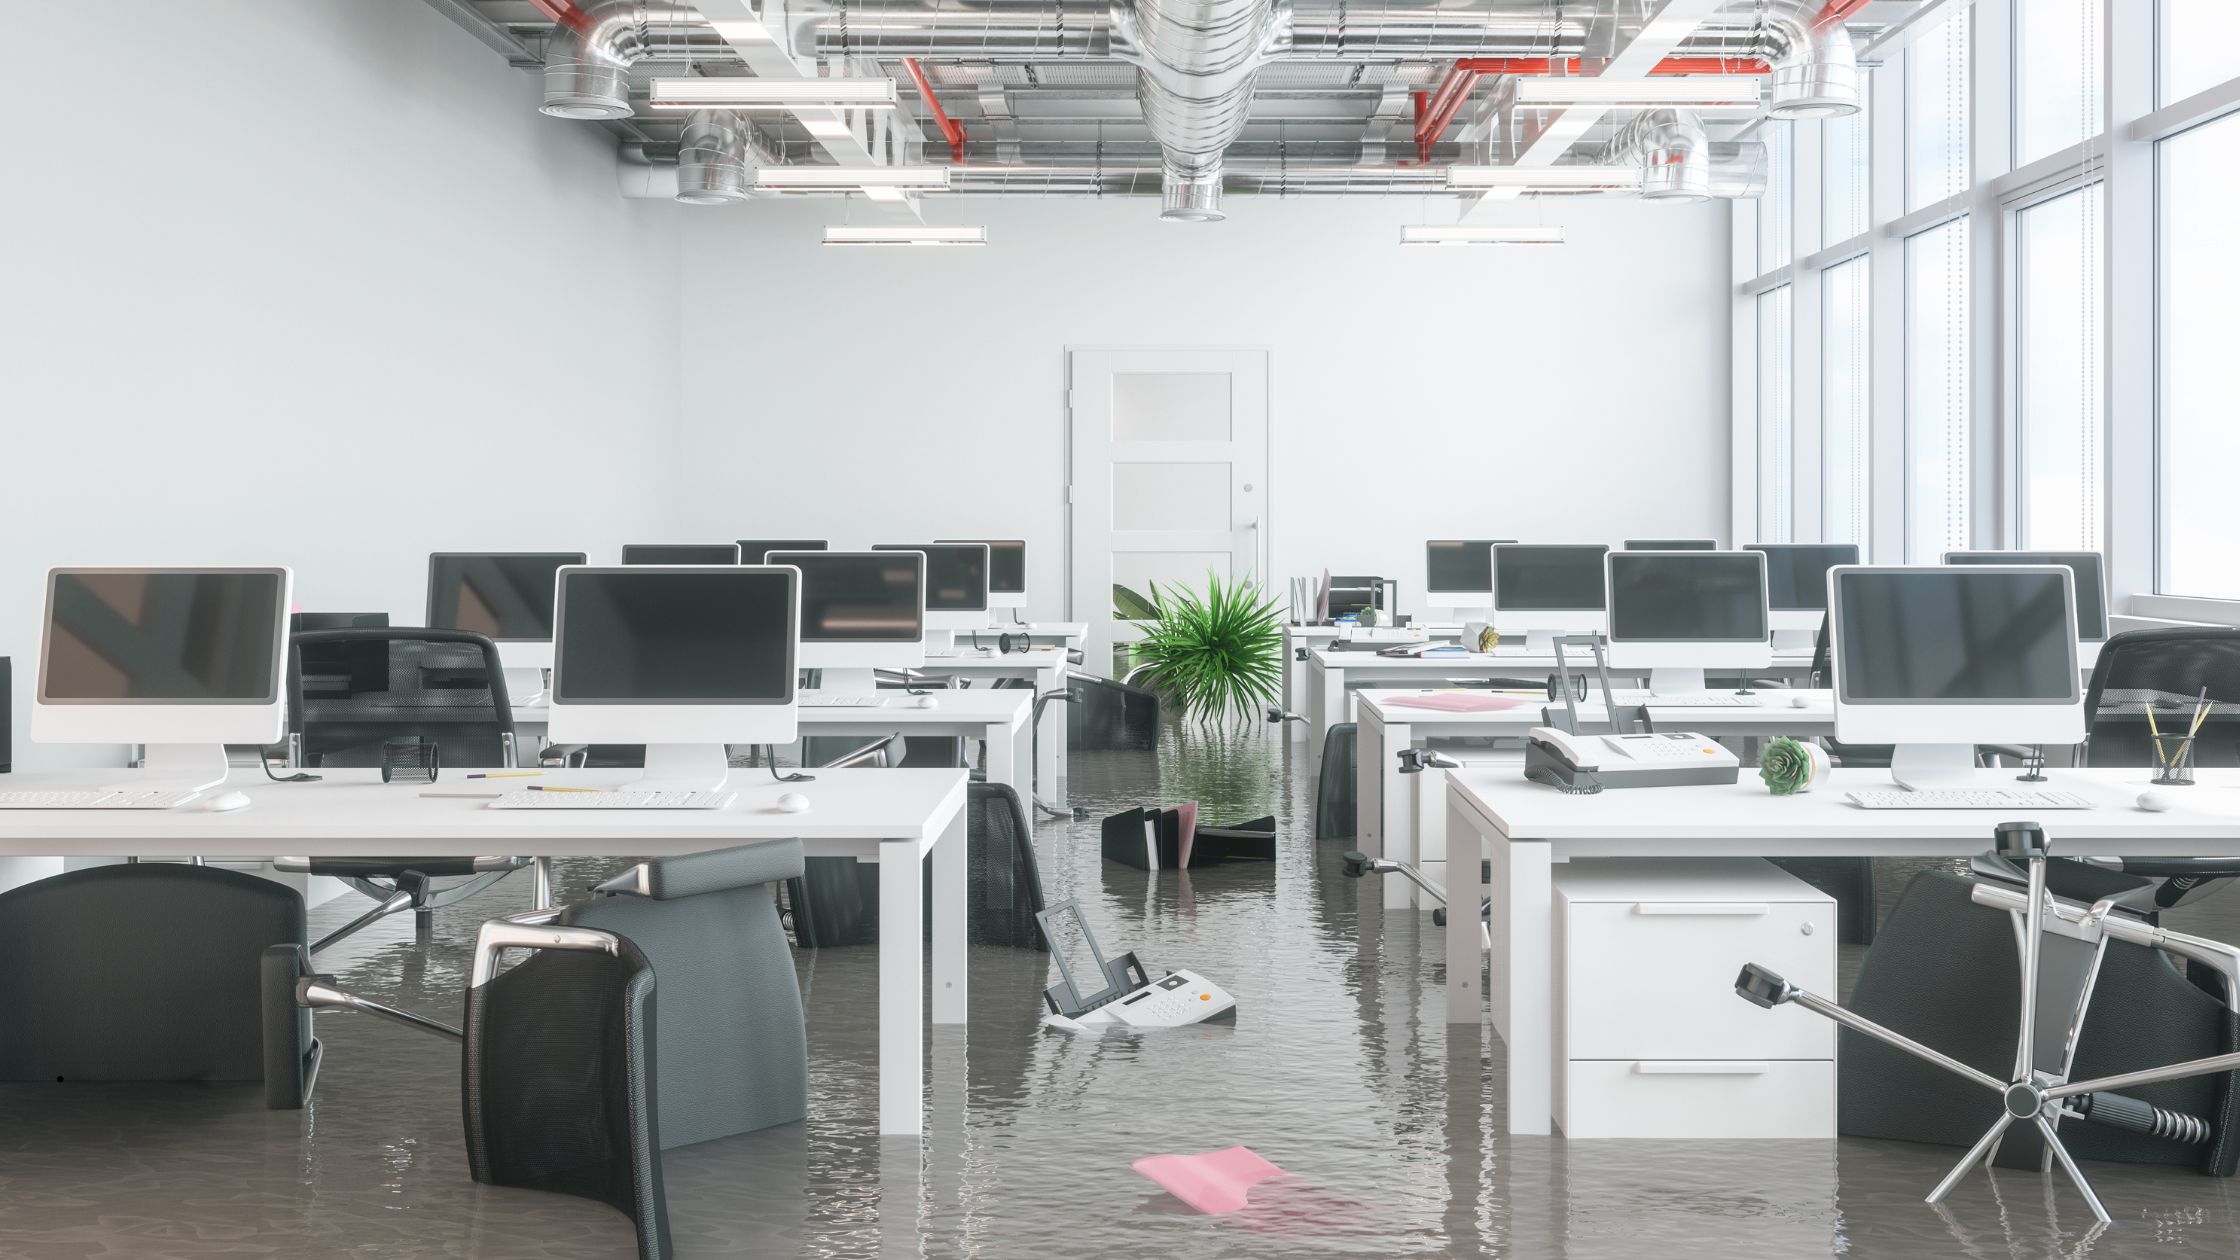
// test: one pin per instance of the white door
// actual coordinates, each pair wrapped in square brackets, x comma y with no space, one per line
[1169,479]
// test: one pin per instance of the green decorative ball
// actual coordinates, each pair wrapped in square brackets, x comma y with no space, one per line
[1789,767]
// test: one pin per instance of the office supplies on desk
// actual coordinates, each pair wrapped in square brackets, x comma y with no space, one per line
[540,787]
[1419,650]
[506,774]
[1458,702]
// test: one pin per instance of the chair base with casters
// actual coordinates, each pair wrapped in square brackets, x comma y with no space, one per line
[144,972]
[2053,1071]
[400,884]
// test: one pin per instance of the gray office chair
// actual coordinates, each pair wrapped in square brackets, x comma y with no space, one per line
[1337,787]
[836,902]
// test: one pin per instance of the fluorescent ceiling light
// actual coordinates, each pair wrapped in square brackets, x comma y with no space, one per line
[806,177]
[1557,177]
[1474,234]
[904,234]
[1707,92]
[743,93]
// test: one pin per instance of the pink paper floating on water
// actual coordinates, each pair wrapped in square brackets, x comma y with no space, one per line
[1214,1182]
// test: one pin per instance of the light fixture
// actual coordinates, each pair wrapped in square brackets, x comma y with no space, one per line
[1705,93]
[904,234]
[751,94]
[799,178]
[1547,177]
[1481,234]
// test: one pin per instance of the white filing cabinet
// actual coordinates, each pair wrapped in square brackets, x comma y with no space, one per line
[1651,1041]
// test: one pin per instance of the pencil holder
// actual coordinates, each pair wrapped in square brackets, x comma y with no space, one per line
[410,763]
[2176,768]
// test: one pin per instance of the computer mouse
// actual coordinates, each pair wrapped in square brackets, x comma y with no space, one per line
[2153,802]
[925,702]
[793,803]
[1800,702]
[225,801]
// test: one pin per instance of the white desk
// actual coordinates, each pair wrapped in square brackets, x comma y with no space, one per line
[1524,828]
[1044,668]
[892,817]
[1406,821]
[1297,637]
[996,717]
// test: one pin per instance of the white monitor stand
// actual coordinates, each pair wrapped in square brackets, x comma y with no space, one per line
[1674,680]
[1795,629]
[1456,610]
[1926,767]
[1794,642]
[684,768]
[177,768]
[851,682]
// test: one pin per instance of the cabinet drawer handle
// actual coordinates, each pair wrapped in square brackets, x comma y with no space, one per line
[1701,907]
[1695,1068]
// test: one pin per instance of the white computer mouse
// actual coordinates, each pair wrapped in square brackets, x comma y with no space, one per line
[793,803]
[225,801]
[1800,702]
[2153,802]
[925,702]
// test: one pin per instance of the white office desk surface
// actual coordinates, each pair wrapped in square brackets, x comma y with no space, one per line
[1046,668]
[1393,816]
[892,817]
[1524,828]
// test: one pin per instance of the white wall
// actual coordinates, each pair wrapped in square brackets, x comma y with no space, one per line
[313,283]
[1570,394]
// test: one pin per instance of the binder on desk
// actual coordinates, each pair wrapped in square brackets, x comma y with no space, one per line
[1164,839]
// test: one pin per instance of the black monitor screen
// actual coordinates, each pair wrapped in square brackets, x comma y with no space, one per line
[681,553]
[1715,598]
[1458,564]
[956,574]
[1529,578]
[1007,564]
[1949,636]
[1671,544]
[854,597]
[1797,573]
[669,636]
[2092,601]
[152,636]
[752,550]
[502,595]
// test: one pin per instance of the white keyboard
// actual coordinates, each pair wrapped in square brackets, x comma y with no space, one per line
[1967,798]
[834,700]
[1697,700]
[614,800]
[95,800]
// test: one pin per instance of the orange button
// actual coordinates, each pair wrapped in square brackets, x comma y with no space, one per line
[1205,997]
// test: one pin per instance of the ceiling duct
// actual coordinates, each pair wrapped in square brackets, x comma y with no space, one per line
[1673,152]
[716,159]
[1196,62]
[1738,169]
[1815,68]
[587,67]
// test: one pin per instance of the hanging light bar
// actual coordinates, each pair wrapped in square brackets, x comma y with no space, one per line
[802,178]
[916,234]
[1481,234]
[1705,93]
[1544,177]
[752,94]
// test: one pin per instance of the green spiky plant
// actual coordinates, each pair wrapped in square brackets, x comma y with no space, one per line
[1215,656]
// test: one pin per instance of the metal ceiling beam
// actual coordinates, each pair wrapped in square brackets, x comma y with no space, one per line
[500,40]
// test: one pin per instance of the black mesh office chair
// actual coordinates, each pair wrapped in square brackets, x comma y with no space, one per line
[836,902]
[355,693]
[1337,786]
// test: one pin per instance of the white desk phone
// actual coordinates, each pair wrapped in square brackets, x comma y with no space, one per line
[1628,756]
[1096,993]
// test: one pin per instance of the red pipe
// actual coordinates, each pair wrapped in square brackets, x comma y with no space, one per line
[563,12]
[951,129]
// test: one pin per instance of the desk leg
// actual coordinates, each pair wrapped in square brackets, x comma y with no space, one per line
[902,1001]
[1521,989]
[1466,957]
[1293,697]
[1394,806]
[1003,753]
[1050,751]
[950,905]
[1368,788]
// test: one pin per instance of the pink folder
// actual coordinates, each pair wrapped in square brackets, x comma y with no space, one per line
[1186,825]
[1214,1182]
[1458,702]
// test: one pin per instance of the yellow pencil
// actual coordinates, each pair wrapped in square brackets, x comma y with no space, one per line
[2155,732]
[2200,711]
[507,774]
[538,787]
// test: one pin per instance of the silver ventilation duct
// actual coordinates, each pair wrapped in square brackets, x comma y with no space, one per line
[1738,169]
[716,159]
[1815,68]
[587,67]
[1196,62]
[1673,152]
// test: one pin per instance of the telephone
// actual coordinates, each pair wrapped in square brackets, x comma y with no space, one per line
[1096,992]
[1590,763]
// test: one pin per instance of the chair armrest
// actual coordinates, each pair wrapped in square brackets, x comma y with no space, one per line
[667,879]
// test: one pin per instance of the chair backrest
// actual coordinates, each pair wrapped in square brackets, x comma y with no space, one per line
[397,685]
[1335,786]
[145,972]
[2168,669]
[1003,879]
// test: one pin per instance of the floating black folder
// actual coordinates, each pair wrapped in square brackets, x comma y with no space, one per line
[1151,839]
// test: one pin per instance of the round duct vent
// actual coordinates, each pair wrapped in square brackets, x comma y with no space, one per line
[1191,198]
[586,90]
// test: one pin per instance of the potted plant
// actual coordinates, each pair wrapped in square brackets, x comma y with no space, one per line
[1216,655]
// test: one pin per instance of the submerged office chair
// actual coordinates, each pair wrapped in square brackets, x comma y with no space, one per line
[1110,715]
[149,972]
[836,902]
[354,694]
[1337,788]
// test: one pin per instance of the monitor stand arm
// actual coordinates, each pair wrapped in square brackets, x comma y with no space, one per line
[849,682]
[1923,767]
[683,768]
[524,685]
[1793,642]
[177,768]
[1676,682]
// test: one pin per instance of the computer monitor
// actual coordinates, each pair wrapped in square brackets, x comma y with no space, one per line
[505,596]
[1458,573]
[956,588]
[180,660]
[860,611]
[2092,590]
[681,658]
[1672,544]
[1936,660]
[1679,613]
[1354,594]
[680,553]
[752,550]
[1797,588]
[1542,591]
[1007,570]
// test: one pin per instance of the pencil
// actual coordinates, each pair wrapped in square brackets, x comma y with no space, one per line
[2155,731]
[507,774]
[538,787]
[2200,711]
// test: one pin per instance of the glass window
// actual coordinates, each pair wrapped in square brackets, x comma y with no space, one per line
[1776,418]
[1937,111]
[1844,441]
[1937,395]
[2057,69]
[2058,401]
[1843,173]
[2200,326]
[1777,209]
[2200,46]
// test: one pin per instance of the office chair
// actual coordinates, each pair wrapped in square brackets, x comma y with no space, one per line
[148,972]
[1337,788]
[1110,715]
[353,694]
[836,900]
